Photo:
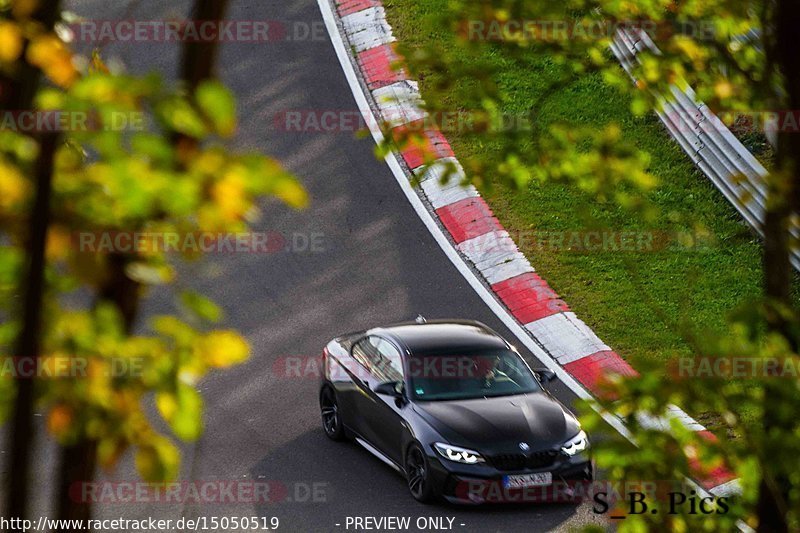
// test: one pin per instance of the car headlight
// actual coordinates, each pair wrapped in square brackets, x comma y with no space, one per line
[576,444]
[457,454]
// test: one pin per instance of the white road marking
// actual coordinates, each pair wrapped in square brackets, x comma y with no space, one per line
[368,28]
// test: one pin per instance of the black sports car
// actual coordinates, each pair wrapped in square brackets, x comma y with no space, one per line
[454,407]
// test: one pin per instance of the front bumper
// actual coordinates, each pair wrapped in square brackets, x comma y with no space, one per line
[482,483]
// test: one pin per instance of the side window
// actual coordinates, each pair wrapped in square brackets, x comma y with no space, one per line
[365,352]
[380,357]
[388,366]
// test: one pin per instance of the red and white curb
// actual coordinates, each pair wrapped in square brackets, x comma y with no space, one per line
[474,230]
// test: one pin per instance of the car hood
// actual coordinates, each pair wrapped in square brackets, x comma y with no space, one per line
[501,424]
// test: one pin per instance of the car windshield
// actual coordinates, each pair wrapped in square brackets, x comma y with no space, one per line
[461,377]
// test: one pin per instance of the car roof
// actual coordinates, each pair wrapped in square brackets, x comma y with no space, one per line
[442,337]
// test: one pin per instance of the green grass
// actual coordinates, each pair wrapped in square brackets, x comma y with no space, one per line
[644,305]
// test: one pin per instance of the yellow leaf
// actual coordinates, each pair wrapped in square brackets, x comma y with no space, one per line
[10,42]
[58,242]
[209,162]
[167,405]
[224,348]
[13,186]
[24,8]
[229,194]
[723,89]
[292,193]
[50,54]
[59,420]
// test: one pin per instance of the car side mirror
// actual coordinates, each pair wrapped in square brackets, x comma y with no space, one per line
[545,375]
[390,388]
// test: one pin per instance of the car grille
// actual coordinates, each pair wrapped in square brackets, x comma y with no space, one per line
[519,461]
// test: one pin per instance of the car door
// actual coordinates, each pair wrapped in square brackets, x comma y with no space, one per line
[386,413]
[361,398]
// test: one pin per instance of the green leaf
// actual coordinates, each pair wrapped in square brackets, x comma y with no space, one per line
[158,461]
[219,106]
[153,147]
[183,411]
[639,106]
[201,306]
[171,327]
[180,116]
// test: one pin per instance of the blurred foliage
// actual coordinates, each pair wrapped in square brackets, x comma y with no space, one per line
[725,50]
[122,170]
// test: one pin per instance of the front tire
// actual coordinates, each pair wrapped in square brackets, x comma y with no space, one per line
[331,419]
[418,474]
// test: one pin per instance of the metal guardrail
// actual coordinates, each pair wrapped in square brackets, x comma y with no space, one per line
[705,138]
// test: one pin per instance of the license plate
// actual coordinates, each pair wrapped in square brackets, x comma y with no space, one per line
[528,480]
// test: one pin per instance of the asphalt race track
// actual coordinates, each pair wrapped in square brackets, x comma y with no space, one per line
[378,264]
